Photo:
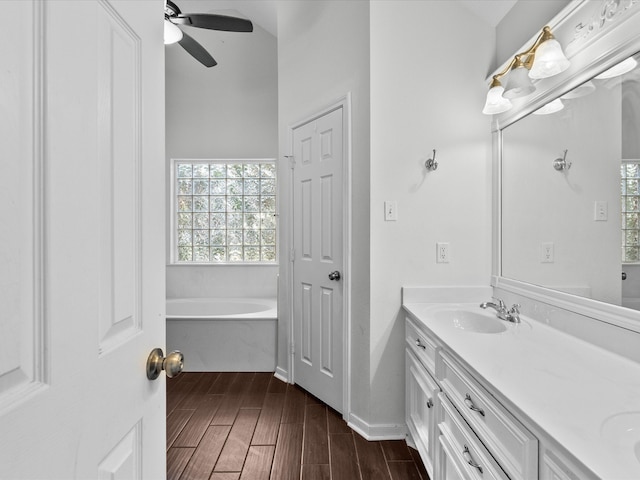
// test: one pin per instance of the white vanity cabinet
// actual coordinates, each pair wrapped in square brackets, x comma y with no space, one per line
[421,393]
[459,428]
[421,398]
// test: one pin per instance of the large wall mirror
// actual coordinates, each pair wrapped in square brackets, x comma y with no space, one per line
[568,172]
[571,191]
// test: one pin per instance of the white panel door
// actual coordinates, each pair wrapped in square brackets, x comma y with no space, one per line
[82,239]
[318,229]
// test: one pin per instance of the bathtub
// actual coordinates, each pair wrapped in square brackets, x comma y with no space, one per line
[223,334]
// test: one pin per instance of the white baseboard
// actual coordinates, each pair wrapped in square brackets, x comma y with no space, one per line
[373,432]
[281,374]
[410,441]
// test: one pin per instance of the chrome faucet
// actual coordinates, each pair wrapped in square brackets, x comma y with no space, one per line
[512,315]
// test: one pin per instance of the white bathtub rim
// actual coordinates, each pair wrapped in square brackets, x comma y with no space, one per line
[270,313]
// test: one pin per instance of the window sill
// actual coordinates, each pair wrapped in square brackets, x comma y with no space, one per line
[228,264]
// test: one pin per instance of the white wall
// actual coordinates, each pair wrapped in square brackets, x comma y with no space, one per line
[323,53]
[226,111]
[520,24]
[428,65]
[422,97]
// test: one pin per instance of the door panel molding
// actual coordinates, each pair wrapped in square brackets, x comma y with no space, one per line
[120,140]
[124,460]
[305,323]
[326,217]
[23,361]
[326,332]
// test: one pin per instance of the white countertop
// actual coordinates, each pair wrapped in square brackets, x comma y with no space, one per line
[574,391]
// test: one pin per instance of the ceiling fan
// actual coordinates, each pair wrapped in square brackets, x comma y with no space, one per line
[172,34]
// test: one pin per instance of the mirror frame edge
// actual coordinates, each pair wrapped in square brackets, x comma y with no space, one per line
[614,40]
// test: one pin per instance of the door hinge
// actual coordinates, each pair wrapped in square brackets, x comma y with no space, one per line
[292,255]
[292,161]
[292,348]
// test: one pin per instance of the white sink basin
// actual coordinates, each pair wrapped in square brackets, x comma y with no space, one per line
[471,321]
[623,431]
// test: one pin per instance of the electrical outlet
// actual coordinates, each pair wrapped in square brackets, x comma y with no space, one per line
[390,211]
[547,253]
[601,212]
[442,252]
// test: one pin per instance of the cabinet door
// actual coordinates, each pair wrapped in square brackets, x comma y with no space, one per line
[420,408]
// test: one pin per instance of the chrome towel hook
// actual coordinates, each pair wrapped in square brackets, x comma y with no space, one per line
[431,164]
[561,163]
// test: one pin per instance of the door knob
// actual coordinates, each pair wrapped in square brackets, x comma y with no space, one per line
[157,362]
[334,275]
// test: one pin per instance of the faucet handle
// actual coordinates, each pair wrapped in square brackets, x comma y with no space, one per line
[501,303]
[513,315]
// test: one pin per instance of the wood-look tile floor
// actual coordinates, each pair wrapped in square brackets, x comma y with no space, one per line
[252,426]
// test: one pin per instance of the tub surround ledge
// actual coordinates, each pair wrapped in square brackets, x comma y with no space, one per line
[224,334]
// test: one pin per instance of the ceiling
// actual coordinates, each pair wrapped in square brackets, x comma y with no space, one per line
[263,12]
[491,11]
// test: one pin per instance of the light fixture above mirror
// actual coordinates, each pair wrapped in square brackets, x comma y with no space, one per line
[543,59]
[518,82]
[496,103]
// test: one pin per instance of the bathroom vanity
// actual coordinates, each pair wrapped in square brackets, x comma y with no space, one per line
[556,396]
[486,398]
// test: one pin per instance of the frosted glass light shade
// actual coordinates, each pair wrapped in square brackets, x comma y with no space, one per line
[519,84]
[619,69]
[172,33]
[548,60]
[496,103]
[551,107]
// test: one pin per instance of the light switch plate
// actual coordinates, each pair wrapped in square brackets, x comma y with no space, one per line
[390,211]
[601,212]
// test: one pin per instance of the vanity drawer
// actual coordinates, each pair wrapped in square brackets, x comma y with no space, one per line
[515,448]
[461,450]
[423,348]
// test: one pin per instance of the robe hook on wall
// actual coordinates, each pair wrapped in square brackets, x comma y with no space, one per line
[431,164]
[561,163]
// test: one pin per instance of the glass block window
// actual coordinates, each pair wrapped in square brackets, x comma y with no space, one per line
[630,188]
[225,211]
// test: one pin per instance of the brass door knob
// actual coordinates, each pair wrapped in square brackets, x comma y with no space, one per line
[157,362]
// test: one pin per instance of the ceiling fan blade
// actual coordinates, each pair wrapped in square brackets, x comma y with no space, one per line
[171,8]
[197,51]
[213,22]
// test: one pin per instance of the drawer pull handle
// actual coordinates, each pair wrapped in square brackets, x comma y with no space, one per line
[429,403]
[419,344]
[469,459]
[469,403]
